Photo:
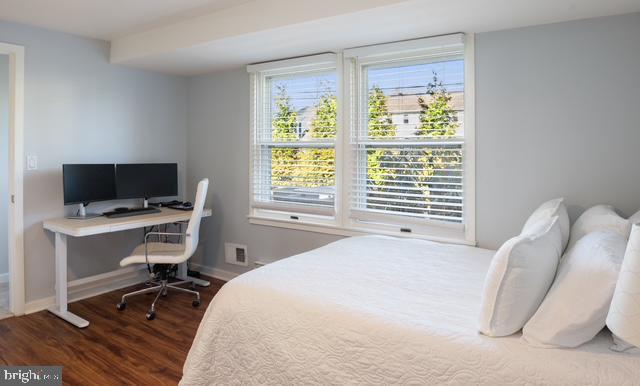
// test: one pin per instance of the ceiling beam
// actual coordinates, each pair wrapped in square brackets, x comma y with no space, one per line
[247,18]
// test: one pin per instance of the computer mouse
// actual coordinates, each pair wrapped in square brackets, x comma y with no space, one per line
[187,204]
[121,209]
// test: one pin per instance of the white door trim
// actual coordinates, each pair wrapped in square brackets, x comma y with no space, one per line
[16,157]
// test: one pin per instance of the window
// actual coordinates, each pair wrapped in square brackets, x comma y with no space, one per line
[408,176]
[399,162]
[294,155]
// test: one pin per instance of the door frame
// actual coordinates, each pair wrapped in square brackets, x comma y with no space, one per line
[16,157]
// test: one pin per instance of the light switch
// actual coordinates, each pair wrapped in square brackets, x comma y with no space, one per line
[32,162]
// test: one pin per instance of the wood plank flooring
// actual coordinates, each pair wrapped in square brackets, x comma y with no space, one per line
[118,347]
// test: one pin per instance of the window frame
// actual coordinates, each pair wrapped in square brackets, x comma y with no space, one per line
[348,80]
[259,73]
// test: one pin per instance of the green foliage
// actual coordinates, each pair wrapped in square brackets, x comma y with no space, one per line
[401,173]
[317,165]
[283,160]
[286,120]
[380,125]
[324,124]
[437,118]
[405,174]
[392,172]
[303,167]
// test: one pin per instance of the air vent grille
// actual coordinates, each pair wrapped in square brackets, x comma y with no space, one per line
[236,254]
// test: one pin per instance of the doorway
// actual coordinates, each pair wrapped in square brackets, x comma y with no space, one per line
[4,185]
[12,288]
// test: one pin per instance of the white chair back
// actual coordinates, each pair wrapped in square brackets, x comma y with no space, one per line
[193,229]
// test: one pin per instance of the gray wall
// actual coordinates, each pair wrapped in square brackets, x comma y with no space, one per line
[80,108]
[4,163]
[557,115]
[218,144]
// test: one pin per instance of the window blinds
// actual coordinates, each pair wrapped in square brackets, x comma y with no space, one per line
[294,159]
[407,132]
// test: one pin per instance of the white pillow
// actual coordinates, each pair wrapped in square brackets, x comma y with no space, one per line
[599,217]
[547,210]
[576,307]
[520,275]
[624,315]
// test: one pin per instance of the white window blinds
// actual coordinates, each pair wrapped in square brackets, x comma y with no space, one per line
[294,137]
[373,139]
[407,132]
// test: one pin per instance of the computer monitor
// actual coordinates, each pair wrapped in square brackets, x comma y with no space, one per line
[146,180]
[86,183]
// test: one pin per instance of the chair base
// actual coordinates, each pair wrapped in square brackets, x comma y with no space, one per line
[161,287]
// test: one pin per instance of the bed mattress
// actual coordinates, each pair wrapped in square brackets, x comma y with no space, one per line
[378,310]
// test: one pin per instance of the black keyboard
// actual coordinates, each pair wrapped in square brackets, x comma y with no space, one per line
[130,212]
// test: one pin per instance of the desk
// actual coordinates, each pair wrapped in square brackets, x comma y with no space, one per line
[64,227]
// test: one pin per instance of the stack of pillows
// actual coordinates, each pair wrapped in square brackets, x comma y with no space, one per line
[554,281]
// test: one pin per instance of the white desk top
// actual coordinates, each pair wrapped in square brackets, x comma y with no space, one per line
[99,225]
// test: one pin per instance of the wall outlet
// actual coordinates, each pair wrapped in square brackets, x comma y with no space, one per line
[236,254]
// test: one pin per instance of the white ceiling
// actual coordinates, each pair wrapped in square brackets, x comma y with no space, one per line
[198,36]
[106,19]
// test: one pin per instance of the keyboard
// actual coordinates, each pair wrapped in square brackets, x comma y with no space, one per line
[131,212]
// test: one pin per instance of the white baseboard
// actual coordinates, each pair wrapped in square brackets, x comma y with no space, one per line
[4,277]
[39,305]
[106,282]
[92,286]
[214,272]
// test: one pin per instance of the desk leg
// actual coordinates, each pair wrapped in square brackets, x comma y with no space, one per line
[182,274]
[60,309]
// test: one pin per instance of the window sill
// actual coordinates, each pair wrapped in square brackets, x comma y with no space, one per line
[349,232]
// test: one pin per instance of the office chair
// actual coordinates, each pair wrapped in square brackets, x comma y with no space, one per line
[165,255]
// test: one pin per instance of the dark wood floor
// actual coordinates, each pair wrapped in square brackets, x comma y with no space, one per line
[118,347]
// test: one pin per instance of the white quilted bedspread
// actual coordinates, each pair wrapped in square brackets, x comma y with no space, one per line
[378,310]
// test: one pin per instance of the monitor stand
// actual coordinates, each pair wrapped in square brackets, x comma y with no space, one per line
[83,215]
[145,204]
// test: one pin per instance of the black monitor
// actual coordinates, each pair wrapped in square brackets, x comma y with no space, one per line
[146,180]
[85,183]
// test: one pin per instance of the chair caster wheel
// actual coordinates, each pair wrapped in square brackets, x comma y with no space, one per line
[164,295]
[195,303]
[121,306]
[151,315]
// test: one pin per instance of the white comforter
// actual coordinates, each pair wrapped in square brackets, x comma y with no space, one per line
[378,310]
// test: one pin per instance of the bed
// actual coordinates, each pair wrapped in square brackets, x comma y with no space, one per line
[378,310]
